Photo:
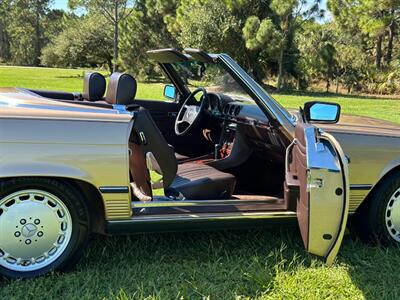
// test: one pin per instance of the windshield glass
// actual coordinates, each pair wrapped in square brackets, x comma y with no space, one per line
[212,77]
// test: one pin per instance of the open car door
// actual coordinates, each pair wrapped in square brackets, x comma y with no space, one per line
[317,184]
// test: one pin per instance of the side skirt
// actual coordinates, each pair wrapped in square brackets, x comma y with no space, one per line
[195,222]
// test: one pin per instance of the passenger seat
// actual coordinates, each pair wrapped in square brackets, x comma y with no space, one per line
[184,181]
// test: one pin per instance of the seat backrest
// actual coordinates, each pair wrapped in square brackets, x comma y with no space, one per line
[94,86]
[121,89]
[152,140]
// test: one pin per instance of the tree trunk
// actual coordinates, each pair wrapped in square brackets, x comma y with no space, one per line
[4,43]
[280,71]
[337,84]
[110,64]
[389,52]
[328,84]
[116,33]
[378,55]
[37,36]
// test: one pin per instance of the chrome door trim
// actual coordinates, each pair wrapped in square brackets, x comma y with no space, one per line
[180,203]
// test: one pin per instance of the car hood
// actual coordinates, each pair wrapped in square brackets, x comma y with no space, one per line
[18,103]
[363,125]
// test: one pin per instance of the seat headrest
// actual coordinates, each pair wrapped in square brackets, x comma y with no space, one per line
[94,86]
[121,89]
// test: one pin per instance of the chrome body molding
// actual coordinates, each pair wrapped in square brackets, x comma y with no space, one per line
[114,189]
[360,187]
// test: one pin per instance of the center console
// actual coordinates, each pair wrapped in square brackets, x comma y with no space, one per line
[224,148]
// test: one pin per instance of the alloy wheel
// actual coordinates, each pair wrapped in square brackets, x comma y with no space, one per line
[392,216]
[35,229]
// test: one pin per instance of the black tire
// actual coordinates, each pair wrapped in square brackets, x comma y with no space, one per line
[74,201]
[370,220]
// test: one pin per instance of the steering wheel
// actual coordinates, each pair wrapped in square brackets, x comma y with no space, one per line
[189,115]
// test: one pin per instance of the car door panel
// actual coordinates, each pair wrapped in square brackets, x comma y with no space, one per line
[317,165]
[163,114]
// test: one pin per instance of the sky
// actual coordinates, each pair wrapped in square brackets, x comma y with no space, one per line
[62,4]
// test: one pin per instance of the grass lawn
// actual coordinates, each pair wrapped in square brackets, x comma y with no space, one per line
[71,80]
[258,263]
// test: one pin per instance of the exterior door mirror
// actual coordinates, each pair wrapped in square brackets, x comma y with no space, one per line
[169,91]
[322,112]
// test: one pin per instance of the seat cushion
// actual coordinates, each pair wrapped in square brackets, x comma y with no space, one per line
[201,182]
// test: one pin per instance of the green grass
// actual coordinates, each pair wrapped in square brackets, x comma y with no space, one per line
[258,263]
[71,80]
[387,109]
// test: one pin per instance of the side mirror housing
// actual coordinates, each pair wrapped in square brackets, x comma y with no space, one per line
[321,112]
[169,91]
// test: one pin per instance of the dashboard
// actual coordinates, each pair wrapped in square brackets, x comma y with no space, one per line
[255,128]
[223,107]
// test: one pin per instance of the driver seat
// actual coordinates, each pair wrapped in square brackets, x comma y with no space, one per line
[190,180]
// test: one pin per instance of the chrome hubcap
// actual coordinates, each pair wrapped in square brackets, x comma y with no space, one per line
[392,216]
[35,229]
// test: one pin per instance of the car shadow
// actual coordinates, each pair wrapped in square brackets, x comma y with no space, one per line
[222,264]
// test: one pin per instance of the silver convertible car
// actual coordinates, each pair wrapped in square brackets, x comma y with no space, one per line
[218,153]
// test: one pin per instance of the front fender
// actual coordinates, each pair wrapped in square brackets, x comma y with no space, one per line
[395,163]
[41,169]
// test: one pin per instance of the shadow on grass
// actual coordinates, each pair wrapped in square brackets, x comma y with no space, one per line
[223,265]
[373,269]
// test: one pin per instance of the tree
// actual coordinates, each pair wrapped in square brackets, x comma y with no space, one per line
[26,29]
[373,18]
[276,34]
[115,11]
[4,37]
[146,29]
[316,42]
[205,24]
[85,41]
